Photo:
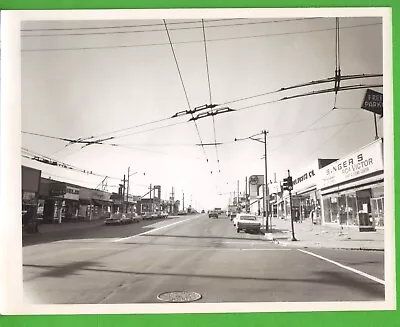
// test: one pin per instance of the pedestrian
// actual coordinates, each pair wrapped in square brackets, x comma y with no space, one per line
[312,212]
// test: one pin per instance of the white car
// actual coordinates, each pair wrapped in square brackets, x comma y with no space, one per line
[248,223]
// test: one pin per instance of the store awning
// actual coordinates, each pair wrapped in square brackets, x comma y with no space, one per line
[98,202]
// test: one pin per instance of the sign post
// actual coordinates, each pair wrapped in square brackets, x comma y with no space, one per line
[373,102]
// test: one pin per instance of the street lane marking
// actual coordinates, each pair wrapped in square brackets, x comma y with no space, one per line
[153,230]
[266,249]
[375,279]
[223,249]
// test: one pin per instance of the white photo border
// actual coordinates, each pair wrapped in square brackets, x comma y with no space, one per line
[11,277]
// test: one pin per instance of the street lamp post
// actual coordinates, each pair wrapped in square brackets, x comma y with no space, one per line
[265,191]
[266,201]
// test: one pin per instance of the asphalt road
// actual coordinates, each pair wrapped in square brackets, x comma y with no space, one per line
[120,264]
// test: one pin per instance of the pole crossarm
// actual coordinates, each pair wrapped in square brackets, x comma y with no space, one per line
[252,137]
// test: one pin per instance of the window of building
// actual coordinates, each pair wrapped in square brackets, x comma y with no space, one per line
[342,209]
[352,218]
[378,211]
[327,209]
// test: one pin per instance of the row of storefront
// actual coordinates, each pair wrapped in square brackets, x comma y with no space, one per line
[54,201]
[345,192]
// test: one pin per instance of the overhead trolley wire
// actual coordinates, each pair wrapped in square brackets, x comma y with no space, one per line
[184,89]
[210,94]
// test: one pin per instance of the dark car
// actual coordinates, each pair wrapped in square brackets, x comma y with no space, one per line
[213,214]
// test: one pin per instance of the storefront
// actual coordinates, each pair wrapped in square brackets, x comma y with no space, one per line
[30,197]
[352,189]
[63,203]
[117,203]
[94,204]
[306,197]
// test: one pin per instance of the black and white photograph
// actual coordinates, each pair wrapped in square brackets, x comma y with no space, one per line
[206,158]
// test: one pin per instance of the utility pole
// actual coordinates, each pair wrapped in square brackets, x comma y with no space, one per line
[183,201]
[265,194]
[151,203]
[246,196]
[238,192]
[123,195]
[127,193]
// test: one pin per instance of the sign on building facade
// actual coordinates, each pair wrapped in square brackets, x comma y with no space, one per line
[306,178]
[365,161]
[255,181]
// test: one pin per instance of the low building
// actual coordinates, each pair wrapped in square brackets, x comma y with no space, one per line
[58,201]
[352,189]
[30,190]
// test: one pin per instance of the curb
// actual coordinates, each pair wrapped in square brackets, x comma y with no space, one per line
[290,244]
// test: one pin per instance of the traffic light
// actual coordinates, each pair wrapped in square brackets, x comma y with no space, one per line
[288,183]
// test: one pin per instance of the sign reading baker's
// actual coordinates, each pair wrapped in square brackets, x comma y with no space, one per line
[363,162]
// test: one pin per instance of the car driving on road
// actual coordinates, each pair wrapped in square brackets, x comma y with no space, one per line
[213,214]
[247,223]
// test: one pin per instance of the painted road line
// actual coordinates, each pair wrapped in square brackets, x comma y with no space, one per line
[245,241]
[375,279]
[153,230]
[264,249]
[222,249]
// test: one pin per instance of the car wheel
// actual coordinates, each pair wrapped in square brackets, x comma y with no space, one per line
[238,230]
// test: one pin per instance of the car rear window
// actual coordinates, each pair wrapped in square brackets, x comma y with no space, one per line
[248,218]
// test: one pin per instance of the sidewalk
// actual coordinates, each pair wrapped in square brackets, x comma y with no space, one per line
[322,236]
[66,226]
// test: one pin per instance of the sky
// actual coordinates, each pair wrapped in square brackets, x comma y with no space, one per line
[102,80]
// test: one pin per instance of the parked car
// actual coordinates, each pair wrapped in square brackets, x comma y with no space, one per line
[247,223]
[213,214]
[202,211]
[114,219]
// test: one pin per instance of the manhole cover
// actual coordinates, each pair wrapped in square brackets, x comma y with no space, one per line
[179,296]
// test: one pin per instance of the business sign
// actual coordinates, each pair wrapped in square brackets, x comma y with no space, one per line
[363,162]
[274,188]
[72,193]
[373,101]
[306,178]
[58,189]
[255,181]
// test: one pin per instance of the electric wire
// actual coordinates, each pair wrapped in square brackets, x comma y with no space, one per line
[161,30]
[29,154]
[332,137]
[196,41]
[210,94]
[124,26]
[184,89]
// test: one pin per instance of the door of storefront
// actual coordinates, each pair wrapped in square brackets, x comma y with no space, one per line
[365,217]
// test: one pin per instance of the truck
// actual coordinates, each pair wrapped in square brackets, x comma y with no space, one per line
[232,211]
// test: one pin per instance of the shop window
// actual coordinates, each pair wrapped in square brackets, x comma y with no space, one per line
[327,210]
[377,208]
[352,217]
[342,209]
[377,192]
[334,209]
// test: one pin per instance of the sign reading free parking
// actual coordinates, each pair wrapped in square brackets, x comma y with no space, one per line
[373,101]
